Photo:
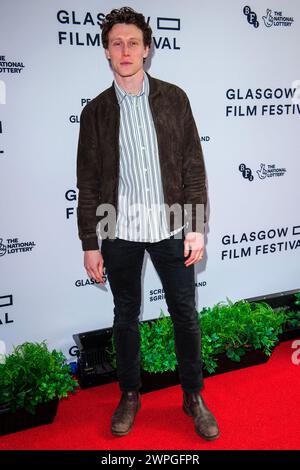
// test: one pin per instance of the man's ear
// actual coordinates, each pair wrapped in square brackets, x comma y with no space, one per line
[146,52]
[107,54]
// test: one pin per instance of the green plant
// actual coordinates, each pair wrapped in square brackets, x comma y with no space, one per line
[292,320]
[32,374]
[291,314]
[157,345]
[291,317]
[297,301]
[232,329]
[235,328]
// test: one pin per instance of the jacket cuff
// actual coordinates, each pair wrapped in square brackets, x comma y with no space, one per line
[90,243]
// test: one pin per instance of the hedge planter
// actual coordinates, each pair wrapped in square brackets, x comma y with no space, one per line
[291,325]
[251,358]
[289,334]
[233,336]
[21,419]
[32,380]
[152,381]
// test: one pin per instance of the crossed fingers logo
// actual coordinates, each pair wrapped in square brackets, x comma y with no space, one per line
[2,248]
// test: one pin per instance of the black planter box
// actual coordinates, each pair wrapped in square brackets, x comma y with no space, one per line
[152,381]
[251,358]
[22,419]
[282,299]
[279,299]
[287,335]
[155,381]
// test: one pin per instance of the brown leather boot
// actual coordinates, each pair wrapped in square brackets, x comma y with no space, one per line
[123,417]
[205,422]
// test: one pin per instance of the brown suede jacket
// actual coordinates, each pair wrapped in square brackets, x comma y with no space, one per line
[180,154]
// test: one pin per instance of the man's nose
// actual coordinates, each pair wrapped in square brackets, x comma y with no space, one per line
[125,49]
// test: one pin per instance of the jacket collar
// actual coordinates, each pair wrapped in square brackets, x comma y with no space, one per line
[121,93]
[153,90]
[153,86]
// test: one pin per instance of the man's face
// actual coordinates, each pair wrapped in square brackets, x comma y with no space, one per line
[126,49]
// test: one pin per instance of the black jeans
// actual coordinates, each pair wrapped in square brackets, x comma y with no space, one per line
[123,261]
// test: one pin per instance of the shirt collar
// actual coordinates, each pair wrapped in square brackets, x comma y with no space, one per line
[121,94]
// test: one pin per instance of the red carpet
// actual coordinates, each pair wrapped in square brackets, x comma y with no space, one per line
[256,407]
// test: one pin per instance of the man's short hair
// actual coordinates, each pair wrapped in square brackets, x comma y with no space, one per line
[129,16]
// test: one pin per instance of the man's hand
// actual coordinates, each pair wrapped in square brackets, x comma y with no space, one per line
[93,263]
[193,244]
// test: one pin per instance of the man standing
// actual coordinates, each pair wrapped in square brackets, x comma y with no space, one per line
[139,153]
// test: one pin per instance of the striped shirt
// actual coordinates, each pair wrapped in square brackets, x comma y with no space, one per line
[141,213]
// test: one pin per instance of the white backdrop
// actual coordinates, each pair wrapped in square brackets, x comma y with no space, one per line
[238,65]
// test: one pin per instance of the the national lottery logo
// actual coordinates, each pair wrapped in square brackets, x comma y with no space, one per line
[265,171]
[14,245]
[2,248]
[270,18]
[269,171]
[277,18]
[10,66]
